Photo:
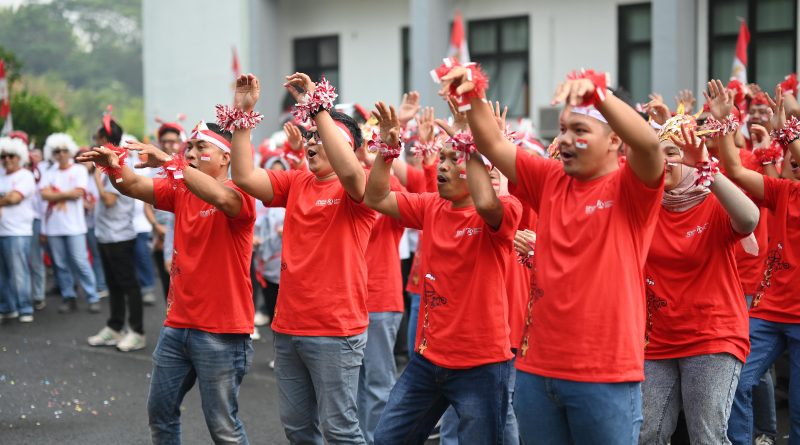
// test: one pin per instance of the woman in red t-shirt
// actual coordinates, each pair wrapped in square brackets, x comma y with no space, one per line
[696,336]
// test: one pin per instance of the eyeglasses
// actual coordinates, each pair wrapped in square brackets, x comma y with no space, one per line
[7,156]
[60,150]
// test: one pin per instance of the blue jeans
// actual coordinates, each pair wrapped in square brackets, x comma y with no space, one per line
[413,316]
[317,386]
[449,431]
[379,370]
[97,264]
[70,255]
[218,362]
[144,262]
[765,416]
[36,263]
[424,391]
[768,340]
[563,411]
[15,291]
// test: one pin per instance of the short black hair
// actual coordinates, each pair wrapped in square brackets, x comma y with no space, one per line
[351,125]
[115,137]
[217,129]
[164,130]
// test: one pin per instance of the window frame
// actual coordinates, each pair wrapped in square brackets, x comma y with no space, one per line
[499,56]
[315,71]
[714,40]
[625,45]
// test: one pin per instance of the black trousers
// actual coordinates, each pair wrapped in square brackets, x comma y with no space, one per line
[120,272]
[270,299]
[163,273]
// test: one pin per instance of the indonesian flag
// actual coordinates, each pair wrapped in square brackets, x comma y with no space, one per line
[739,71]
[237,71]
[5,101]
[458,50]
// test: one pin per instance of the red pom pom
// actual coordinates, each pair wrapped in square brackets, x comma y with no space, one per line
[230,119]
[388,152]
[321,99]
[464,143]
[789,84]
[113,173]
[769,155]
[173,170]
[598,79]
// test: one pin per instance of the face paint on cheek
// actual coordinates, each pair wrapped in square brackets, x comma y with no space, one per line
[462,174]
[583,144]
[205,157]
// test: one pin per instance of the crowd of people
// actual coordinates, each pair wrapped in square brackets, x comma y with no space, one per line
[640,267]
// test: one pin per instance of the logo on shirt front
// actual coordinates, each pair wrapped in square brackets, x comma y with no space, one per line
[468,231]
[328,202]
[697,230]
[599,205]
[207,213]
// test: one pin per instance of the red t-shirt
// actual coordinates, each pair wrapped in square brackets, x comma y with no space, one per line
[419,181]
[780,303]
[464,293]
[751,267]
[384,277]
[210,286]
[591,245]
[518,283]
[323,288]
[695,303]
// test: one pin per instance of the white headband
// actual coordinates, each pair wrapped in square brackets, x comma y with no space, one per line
[589,111]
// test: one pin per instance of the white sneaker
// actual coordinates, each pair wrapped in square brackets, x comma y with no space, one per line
[131,342]
[764,440]
[149,298]
[9,315]
[261,319]
[102,293]
[27,318]
[272,364]
[106,337]
[255,335]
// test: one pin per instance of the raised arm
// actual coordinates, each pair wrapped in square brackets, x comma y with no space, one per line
[487,204]
[254,181]
[489,139]
[645,156]
[378,195]
[743,213]
[133,185]
[721,104]
[340,154]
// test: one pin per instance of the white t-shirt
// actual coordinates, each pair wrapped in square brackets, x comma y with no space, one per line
[17,220]
[140,222]
[113,224]
[65,218]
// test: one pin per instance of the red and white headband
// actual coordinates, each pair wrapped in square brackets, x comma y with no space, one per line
[346,132]
[202,132]
[589,111]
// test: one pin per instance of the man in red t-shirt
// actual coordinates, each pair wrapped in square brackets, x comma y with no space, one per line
[775,310]
[321,317]
[463,349]
[581,359]
[206,334]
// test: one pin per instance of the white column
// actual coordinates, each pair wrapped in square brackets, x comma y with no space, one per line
[674,37]
[429,39]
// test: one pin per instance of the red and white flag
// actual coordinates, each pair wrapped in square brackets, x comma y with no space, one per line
[237,71]
[739,71]
[458,50]
[5,101]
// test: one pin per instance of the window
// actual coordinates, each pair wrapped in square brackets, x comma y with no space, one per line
[317,57]
[771,53]
[501,47]
[405,50]
[634,50]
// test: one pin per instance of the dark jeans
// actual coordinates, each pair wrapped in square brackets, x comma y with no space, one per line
[424,391]
[120,272]
[218,363]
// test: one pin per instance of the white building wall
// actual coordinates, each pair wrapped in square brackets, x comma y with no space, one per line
[187,56]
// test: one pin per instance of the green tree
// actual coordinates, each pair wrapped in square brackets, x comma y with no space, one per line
[37,115]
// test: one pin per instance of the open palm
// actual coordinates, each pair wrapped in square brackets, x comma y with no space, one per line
[248,89]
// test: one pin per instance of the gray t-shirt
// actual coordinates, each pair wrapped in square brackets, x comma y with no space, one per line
[114,224]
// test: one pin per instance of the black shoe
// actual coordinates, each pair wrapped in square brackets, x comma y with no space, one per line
[39,305]
[94,308]
[68,305]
